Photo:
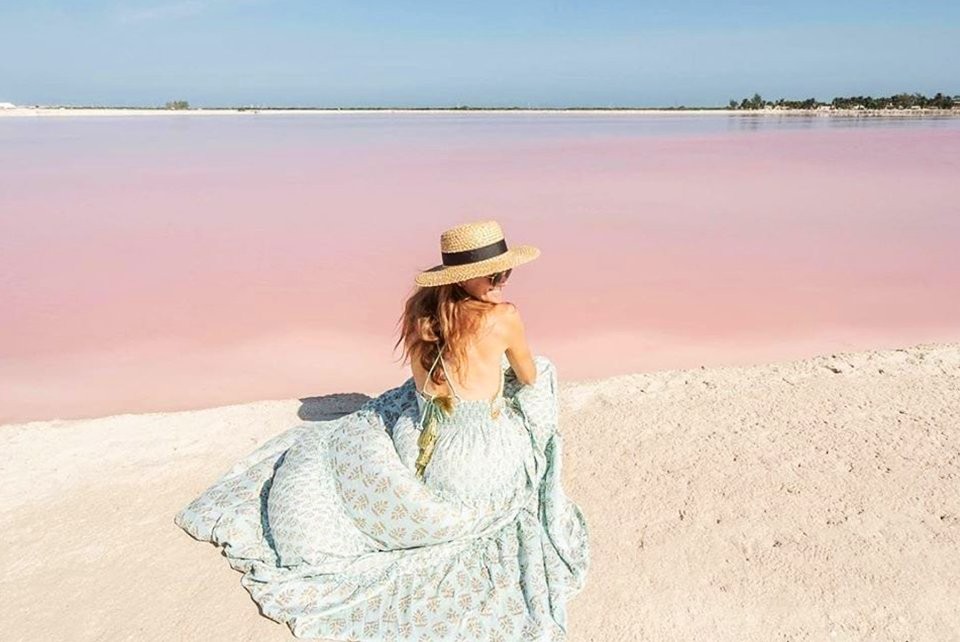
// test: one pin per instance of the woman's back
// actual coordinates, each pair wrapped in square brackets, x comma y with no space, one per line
[497,335]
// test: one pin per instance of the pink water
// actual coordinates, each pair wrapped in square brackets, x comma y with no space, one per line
[176,262]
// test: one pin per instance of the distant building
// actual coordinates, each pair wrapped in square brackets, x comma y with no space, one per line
[7,106]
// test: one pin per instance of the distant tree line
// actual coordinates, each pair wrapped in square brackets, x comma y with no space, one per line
[177,104]
[897,101]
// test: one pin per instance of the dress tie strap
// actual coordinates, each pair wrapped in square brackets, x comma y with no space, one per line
[446,374]
[434,411]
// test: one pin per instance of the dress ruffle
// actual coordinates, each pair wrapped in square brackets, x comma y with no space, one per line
[336,536]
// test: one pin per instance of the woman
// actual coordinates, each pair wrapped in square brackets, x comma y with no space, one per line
[433,512]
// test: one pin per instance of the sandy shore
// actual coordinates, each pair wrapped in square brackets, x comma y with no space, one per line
[20,112]
[803,500]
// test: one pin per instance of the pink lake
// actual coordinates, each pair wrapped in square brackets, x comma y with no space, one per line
[177,262]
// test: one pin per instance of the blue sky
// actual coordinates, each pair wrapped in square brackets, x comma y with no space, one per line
[480,53]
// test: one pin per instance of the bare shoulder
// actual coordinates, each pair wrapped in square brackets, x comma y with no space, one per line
[506,321]
[506,314]
[506,310]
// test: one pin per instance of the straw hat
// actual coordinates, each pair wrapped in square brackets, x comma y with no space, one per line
[474,249]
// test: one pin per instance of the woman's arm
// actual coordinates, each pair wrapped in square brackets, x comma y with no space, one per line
[518,350]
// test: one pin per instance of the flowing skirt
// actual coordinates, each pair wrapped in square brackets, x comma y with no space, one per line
[337,537]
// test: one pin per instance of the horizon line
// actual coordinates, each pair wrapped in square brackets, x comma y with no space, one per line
[446,108]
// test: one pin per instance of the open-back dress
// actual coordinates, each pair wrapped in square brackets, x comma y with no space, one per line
[338,537]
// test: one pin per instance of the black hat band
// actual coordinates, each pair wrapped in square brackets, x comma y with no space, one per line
[476,254]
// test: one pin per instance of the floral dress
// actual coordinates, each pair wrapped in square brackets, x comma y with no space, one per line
[339,533]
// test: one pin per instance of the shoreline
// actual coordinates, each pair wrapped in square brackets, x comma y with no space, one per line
[343,399]
[31,112]
[102,399]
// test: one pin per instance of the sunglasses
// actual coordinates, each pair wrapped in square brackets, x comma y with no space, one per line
[498,278]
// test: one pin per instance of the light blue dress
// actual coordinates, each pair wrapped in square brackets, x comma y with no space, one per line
[338,537]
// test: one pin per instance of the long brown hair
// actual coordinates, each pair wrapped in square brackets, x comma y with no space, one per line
[436,317]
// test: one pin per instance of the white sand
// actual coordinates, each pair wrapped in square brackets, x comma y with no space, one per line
[805,500]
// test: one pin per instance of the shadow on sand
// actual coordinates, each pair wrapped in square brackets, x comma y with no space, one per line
[332,406]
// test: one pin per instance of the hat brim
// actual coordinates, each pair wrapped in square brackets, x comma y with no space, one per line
[446,274]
